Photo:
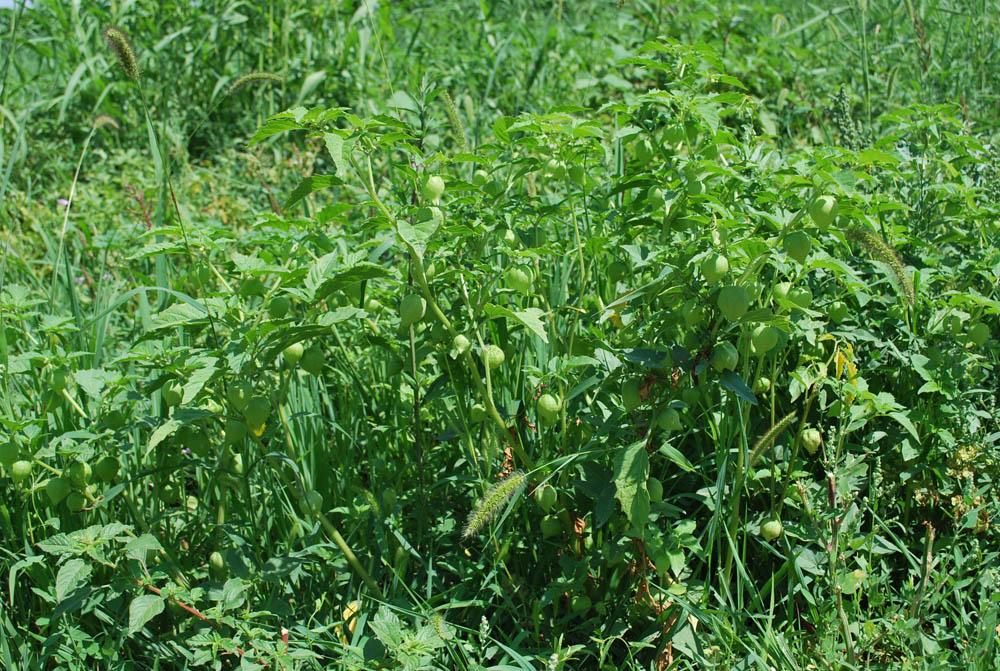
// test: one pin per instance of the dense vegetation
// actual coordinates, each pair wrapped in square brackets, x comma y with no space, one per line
[500,335]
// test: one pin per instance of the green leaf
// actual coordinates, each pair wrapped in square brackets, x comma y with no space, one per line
[734,383]
[310,185]
[162,432]
[416,235]
[197,380]
[138,547]
[905,422]
[631,468]
[273,126]
[178,314]
[143,609]
[71,574]
[529,317]
[335,144]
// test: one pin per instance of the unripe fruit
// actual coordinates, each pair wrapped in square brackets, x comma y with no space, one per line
[770,530]
[494,357]
[823,211]
[797,244]
[781,290]
[669,420]
[725,357]
[764,338]
[838,312]
[239,395]
[257,411]
[9,452]
[979,333]
[172,393]
[75,502]
[555,169]
[692,312]
[278,307]
[236,431]
[616,271]
[480,177]
[460,344]
[655,489]
[551,526]
[394,366]
[546,497]
[801,296]
[58,489]
[643,151]
[314,502]
[580,603]
[433,188]
[762,385]
[630,394]
[411,310]
[577,174]
[20,471]
[510,237]
[79,474]
[548,407]
[313,360]
[59,379]
[811,440]
[293,353]
[389,499]
[714,267]
[114,420]
[519,279]
[477,413]
[106,469]
[252,287]
[733,302]
[217,566]
[655,199]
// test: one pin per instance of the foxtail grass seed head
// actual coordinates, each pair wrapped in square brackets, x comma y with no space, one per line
[495,499]
[121,47]
[880,249]
[104,121]
[456,121]
[252,78]
[771,435]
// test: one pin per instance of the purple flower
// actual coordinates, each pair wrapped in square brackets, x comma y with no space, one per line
[63,202]
[79,280]
[107,277]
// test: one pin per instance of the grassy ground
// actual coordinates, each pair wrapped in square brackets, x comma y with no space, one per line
[499,335]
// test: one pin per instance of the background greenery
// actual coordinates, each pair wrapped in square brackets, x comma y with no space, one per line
[223,447]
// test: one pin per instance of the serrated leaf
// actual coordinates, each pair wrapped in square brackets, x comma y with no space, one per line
[177,314]
[162,432]
[341,314]
[529,317]
[93,380]
[71,574]
[416,235]
[631,469]
[310,185]
[143,609]
[138,547]
[197,380]
[335,145]
[273,126]
[905,422]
